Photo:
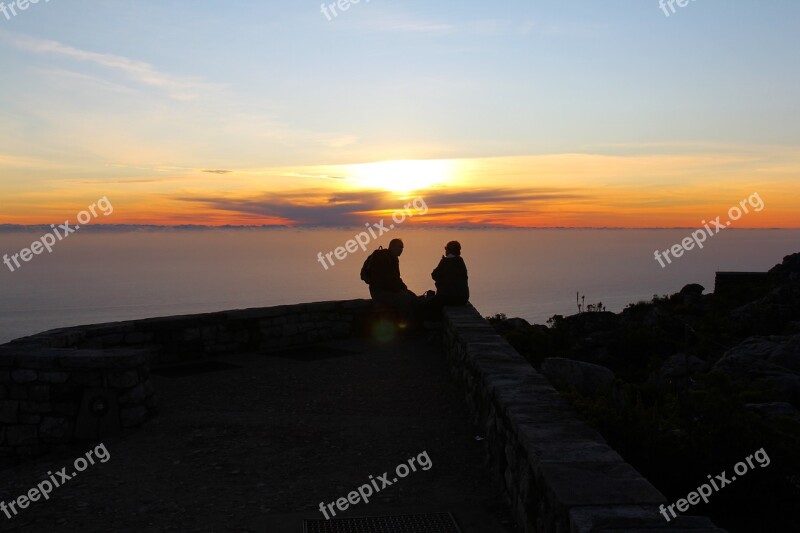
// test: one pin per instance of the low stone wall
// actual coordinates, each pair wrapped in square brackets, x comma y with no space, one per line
[89,381]
[559,473]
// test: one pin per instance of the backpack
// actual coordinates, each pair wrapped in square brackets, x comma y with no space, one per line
[367,266]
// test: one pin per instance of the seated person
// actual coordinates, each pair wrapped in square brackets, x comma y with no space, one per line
[451,279]
[385,284]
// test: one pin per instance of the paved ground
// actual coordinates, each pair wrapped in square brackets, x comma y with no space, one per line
[259,447]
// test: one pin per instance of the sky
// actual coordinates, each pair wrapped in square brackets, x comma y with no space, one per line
[507,113]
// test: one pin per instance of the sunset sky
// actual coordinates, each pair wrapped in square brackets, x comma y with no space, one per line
[511,113]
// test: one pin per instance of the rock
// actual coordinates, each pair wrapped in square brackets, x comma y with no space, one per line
[517,323]
[774,410]
[21,435]
[693,289]
[8,411]
[774,359]
[133,416]
[692,294]
[676,367]
[585,324]
[788,270]
[55,429]
[588,379]
[24,376]
[771,313]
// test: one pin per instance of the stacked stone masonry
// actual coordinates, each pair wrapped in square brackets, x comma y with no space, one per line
[49,382]
[559,474]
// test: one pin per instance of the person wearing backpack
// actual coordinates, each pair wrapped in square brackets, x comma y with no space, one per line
[381,271]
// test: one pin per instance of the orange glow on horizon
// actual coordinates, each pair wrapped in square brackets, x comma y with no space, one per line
[559,190]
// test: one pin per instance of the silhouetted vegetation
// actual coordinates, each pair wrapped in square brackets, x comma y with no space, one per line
[699,387]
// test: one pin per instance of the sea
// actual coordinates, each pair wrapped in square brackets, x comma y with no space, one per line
[110,274]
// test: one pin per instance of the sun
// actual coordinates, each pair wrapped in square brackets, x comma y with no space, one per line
[402,176]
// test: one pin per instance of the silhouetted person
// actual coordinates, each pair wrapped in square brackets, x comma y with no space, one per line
[385,284]
[452,287]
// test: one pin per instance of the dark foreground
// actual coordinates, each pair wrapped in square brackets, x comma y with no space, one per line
[257,448]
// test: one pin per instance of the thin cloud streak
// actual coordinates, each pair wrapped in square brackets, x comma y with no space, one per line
[179,88]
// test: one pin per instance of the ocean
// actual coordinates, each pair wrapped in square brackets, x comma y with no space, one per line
[110,275]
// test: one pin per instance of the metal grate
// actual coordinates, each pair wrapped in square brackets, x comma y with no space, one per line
[407,523]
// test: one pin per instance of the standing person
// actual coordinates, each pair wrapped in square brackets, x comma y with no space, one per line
[452,286]
[385,284]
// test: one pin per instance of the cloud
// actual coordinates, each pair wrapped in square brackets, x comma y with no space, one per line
[307,207]
[218,171]
[179,88]
[404,24]
[317,207]
[444,198]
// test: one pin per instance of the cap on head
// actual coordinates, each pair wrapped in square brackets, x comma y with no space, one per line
[453,247]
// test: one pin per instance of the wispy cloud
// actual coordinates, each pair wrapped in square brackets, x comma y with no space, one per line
[403,23]
[318,207]
[179,88]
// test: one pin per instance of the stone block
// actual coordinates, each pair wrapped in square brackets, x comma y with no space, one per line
[209,333]
[20,435]
[192,334]
[23,376]
[29,406]
[53,377]
[15,391]
[9,410]
[86,378]
[102,341]
[67,339]
[25,418]
[134,396]
[138,337]
[633,518]
[69,409]
[121,358]
[575,484]
[55,429]
[39,393]
[124,379]
[46,359]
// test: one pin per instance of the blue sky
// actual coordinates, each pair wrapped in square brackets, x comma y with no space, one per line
[119,89]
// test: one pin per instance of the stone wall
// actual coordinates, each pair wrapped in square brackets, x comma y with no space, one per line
[559,473]
[84,382]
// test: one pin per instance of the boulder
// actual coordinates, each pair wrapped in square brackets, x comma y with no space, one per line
[676,367]
[774,359]
[584,324]
[517,323]
[692,294]
[775,410]
[588,379]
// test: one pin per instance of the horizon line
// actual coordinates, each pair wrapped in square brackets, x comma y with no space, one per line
[11,228]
